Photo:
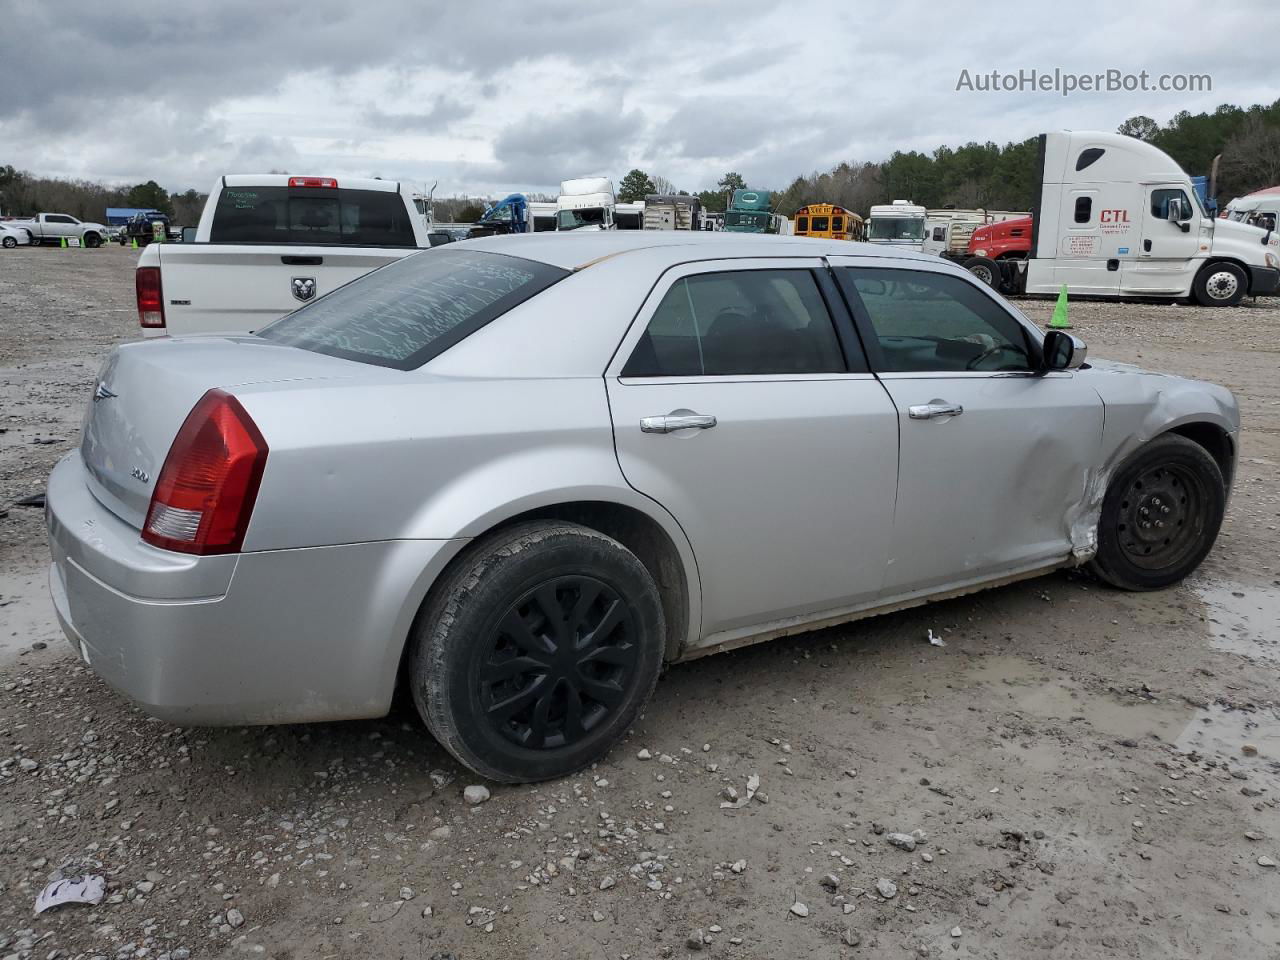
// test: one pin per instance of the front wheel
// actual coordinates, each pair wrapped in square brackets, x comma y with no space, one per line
[10,242]
[537,650]
[1160,516]
[986,270]
[92,240]
[1221,285]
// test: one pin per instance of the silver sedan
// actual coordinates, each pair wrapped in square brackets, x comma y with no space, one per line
[519,474]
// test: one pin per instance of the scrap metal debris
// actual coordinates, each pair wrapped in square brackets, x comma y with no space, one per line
[936,641]
[89,889]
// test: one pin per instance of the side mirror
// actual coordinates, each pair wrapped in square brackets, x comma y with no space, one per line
[1062,351]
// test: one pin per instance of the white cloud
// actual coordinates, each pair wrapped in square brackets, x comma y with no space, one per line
[492,97]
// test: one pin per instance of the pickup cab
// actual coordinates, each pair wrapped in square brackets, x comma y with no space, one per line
[267,244]
[52,227]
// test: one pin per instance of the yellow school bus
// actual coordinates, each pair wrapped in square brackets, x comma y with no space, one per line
[828,220]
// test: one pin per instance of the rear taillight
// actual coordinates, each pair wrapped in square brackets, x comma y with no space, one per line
[150,296]
[209,482]
[313,182]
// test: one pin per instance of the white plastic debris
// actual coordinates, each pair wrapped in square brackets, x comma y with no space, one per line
[936,641]
[753,784]
[88,889]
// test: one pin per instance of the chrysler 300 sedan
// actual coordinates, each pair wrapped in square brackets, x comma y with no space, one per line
[520,474]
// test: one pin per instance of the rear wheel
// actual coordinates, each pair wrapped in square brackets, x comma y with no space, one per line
[35,242]
[537,651]
[1221,285]
[1160,516]
[986,270]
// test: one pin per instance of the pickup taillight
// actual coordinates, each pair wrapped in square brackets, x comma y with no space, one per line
[150,297]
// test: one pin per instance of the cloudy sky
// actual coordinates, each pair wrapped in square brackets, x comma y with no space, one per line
[489,96]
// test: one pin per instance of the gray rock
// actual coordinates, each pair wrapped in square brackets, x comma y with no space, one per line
[608,883]
[830,882]
[235,918]
[903,841]
[1266,862]
[851,937]
[799,909]
[886,888]
[695,940]
[476,794]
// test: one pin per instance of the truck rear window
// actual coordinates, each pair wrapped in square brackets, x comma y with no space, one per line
[415,309]
[311,215]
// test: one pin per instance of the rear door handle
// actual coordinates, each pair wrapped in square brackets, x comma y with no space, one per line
[927,411]
[674,422]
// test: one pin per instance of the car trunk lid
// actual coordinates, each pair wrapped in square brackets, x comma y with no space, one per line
[145,391]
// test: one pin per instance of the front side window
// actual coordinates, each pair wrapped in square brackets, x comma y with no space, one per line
[311,215]
[1160,203]
[935,322]
[741,322]
[412,310]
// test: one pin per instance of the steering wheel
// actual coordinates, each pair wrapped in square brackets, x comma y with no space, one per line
[990,351]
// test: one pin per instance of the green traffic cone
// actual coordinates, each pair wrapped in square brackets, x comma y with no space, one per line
[135,243]
[1059,320]
[64,243]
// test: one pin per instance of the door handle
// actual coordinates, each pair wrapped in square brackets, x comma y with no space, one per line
[673,422]
[927,411]
[1146,246]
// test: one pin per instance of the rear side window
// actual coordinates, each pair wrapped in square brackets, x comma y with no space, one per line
[802,224]
[311,215]
[414,309]
[1088,157]
[1084,209]
[739,322]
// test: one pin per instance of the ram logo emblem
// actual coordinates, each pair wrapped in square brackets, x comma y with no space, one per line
[304,288]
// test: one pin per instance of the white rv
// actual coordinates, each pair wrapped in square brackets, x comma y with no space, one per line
[1262,209]
[1118,217]
[899,224]
[586,203]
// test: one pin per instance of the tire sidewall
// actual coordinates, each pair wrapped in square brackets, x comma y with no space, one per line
[990,266]
[454,638]
[1202,285]
[10,242]
[1111,560]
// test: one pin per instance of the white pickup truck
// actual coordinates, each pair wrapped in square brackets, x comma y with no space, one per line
[266,244]
[52,227]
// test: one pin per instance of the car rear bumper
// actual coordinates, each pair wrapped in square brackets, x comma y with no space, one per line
[1263,281]
[279,636]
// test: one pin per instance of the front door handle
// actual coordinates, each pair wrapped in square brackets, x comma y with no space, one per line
[927,411]
[673,422]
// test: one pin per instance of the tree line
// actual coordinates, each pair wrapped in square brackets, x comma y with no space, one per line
[988,175]
[25,194]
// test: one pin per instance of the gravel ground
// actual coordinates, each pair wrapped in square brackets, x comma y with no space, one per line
[1078,773]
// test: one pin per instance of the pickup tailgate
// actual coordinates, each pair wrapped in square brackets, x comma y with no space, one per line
[233,288]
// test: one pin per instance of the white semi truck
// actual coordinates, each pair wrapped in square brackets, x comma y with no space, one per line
[1261,208]
[1117,217]
[899,224]
[586,203]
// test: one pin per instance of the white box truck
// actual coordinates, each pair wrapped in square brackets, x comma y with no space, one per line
[1117,217]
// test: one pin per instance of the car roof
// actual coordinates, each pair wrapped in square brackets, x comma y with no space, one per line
[576,249]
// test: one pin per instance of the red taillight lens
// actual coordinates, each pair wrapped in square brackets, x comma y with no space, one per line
[207,487]
[150,297]
[313,182]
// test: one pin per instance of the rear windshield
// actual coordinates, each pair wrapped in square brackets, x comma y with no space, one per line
[311,215]
[412,310]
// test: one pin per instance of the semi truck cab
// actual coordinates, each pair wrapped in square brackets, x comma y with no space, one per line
[1119,217]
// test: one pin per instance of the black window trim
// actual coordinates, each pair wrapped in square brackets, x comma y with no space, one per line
[851,349]
[545,276]
[871,343]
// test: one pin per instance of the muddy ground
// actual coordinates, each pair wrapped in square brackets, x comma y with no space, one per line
[1095,773]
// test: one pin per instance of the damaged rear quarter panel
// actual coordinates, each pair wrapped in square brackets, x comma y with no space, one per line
[1139,406]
